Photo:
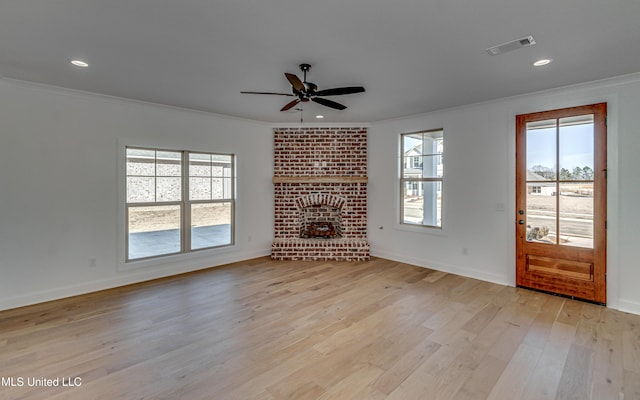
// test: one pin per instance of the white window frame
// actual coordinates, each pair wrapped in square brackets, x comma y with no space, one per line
[403,180]
[185,204]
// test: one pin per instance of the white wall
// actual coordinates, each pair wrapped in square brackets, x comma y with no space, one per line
[479,159]
[59,188]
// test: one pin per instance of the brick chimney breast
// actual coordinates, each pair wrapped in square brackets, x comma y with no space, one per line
[315,168]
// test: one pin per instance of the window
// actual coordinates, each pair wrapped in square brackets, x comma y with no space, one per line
[416,162]
[177,202]
[421,178]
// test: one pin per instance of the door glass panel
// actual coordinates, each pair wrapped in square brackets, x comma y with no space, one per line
[576,148]
[541,212]
[541,150]
[576,214]
[210,225]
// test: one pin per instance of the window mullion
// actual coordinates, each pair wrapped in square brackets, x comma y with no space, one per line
[155,176]
[210,177]
[186,205]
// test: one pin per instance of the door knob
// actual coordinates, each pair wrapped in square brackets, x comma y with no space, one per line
[521,221]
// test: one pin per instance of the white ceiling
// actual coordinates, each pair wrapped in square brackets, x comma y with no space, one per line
[413,56]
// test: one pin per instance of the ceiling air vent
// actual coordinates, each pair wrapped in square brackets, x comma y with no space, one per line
[512,45]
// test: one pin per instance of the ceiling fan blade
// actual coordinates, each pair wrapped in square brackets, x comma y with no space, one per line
[290,105]
[340,90]
[278,94]
[295,82]
[329,103]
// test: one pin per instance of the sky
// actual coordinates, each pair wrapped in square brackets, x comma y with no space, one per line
[576,147]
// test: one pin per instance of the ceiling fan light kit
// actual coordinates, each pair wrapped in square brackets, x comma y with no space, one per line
[308,91]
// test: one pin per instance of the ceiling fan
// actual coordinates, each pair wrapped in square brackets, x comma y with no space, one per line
[305,91]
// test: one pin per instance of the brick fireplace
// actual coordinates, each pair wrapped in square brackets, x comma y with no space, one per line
[320,179]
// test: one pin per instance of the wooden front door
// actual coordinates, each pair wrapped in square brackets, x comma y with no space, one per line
[561,171]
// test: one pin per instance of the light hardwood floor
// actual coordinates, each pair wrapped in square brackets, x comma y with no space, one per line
[263,329]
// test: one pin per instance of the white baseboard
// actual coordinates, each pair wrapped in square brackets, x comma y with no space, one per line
[469,273]
[130,278]
[628,306]
[631,307]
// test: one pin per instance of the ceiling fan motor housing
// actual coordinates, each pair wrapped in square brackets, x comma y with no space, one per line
[309,89]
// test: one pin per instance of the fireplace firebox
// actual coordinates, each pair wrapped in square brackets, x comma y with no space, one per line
[320,221]
[320,230]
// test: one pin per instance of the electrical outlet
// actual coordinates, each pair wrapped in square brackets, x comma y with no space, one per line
[465,251]
[93,263]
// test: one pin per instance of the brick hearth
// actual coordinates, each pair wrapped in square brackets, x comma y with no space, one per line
[320,167]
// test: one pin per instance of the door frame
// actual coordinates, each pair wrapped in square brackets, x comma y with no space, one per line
[598,293]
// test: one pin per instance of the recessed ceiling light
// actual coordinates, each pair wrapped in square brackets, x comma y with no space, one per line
[541,62]
[79,63]
[319,116]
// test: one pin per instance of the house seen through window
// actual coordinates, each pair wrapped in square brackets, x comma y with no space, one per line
[177,202]
[421,178]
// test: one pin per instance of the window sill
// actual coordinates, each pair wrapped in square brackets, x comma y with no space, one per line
[423,230]
[160,261]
